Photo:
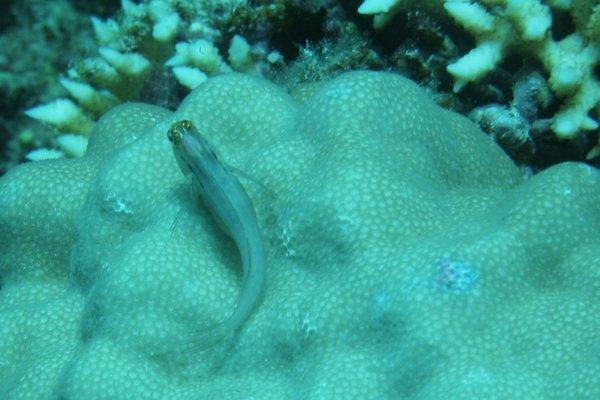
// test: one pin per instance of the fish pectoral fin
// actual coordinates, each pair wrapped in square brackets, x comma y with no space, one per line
[254,180]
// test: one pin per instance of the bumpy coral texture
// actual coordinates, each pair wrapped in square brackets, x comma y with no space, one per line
[407,257]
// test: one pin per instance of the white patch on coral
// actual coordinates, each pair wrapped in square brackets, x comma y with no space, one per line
[285,236]
[308,326]
[118,205]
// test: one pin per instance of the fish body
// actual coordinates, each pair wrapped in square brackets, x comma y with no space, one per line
[231,207]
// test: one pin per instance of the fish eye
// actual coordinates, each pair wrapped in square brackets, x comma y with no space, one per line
[175,132]
[174,135]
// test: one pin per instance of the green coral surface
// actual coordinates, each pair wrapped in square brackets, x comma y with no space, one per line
[407,257]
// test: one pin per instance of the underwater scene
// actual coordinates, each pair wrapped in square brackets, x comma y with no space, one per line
[300,200]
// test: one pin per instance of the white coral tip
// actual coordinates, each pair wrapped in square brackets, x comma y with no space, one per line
[72,145]
[376,6]
[44,154]
[189,77]
[132,64]
[59,113]
[166,28]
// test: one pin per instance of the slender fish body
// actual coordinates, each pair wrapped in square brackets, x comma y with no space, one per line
[231,207]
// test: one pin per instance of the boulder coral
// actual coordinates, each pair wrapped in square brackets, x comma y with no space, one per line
[407,257]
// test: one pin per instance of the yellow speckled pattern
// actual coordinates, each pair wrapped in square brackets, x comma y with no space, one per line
[407,258]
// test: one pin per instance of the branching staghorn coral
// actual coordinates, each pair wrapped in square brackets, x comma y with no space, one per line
[503,27]
[173,37]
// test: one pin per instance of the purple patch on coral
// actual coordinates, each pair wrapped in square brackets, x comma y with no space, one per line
[454,275]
